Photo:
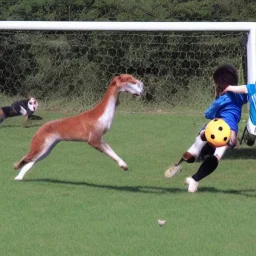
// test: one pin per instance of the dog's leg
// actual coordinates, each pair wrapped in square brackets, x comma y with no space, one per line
[25,123]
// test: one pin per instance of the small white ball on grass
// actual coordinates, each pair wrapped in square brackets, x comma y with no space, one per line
[161,222]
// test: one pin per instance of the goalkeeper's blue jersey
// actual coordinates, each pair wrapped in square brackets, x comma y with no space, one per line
[228,107]
[251,88]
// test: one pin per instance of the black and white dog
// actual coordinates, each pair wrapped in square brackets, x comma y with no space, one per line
[25,107]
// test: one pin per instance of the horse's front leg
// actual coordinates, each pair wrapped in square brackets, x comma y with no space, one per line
[98,143]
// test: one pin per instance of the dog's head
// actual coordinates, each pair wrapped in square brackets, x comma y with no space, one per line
[128,83]
[32,104]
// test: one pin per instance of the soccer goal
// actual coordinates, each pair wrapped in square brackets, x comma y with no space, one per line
[79,58]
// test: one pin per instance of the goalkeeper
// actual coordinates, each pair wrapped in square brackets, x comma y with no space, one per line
[227,106]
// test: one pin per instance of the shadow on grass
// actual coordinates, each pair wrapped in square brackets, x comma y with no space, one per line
[35,117]
[241,153]
[19,126]
[133,189]
[149,189]
[242,192]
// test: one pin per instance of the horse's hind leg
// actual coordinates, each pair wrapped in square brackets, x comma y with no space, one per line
[24,170]
[27,162]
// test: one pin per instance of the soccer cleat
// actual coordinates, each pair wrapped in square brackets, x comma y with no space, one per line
[248,138]
[172,171]
[192,184]
[249,142]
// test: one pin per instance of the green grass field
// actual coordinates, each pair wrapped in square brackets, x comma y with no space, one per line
[79,202]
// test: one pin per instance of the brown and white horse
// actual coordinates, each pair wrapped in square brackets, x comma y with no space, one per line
[89,126]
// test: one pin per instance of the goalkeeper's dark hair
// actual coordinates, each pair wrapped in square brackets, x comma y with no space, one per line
[223,76]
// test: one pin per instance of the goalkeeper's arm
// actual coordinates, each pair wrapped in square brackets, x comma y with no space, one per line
[236,89]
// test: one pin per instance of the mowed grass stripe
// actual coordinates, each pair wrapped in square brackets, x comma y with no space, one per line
[79,202]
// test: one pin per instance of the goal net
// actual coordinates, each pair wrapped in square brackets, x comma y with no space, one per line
[174,66]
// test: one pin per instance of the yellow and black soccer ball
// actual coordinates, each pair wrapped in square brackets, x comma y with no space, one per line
[217,132]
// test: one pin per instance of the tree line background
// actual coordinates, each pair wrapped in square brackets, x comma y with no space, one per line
[65,64]
[130,10]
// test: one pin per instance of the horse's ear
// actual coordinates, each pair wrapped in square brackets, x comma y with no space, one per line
[115,81]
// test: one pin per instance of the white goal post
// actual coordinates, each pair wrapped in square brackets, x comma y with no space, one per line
[249,27]
[56,59]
